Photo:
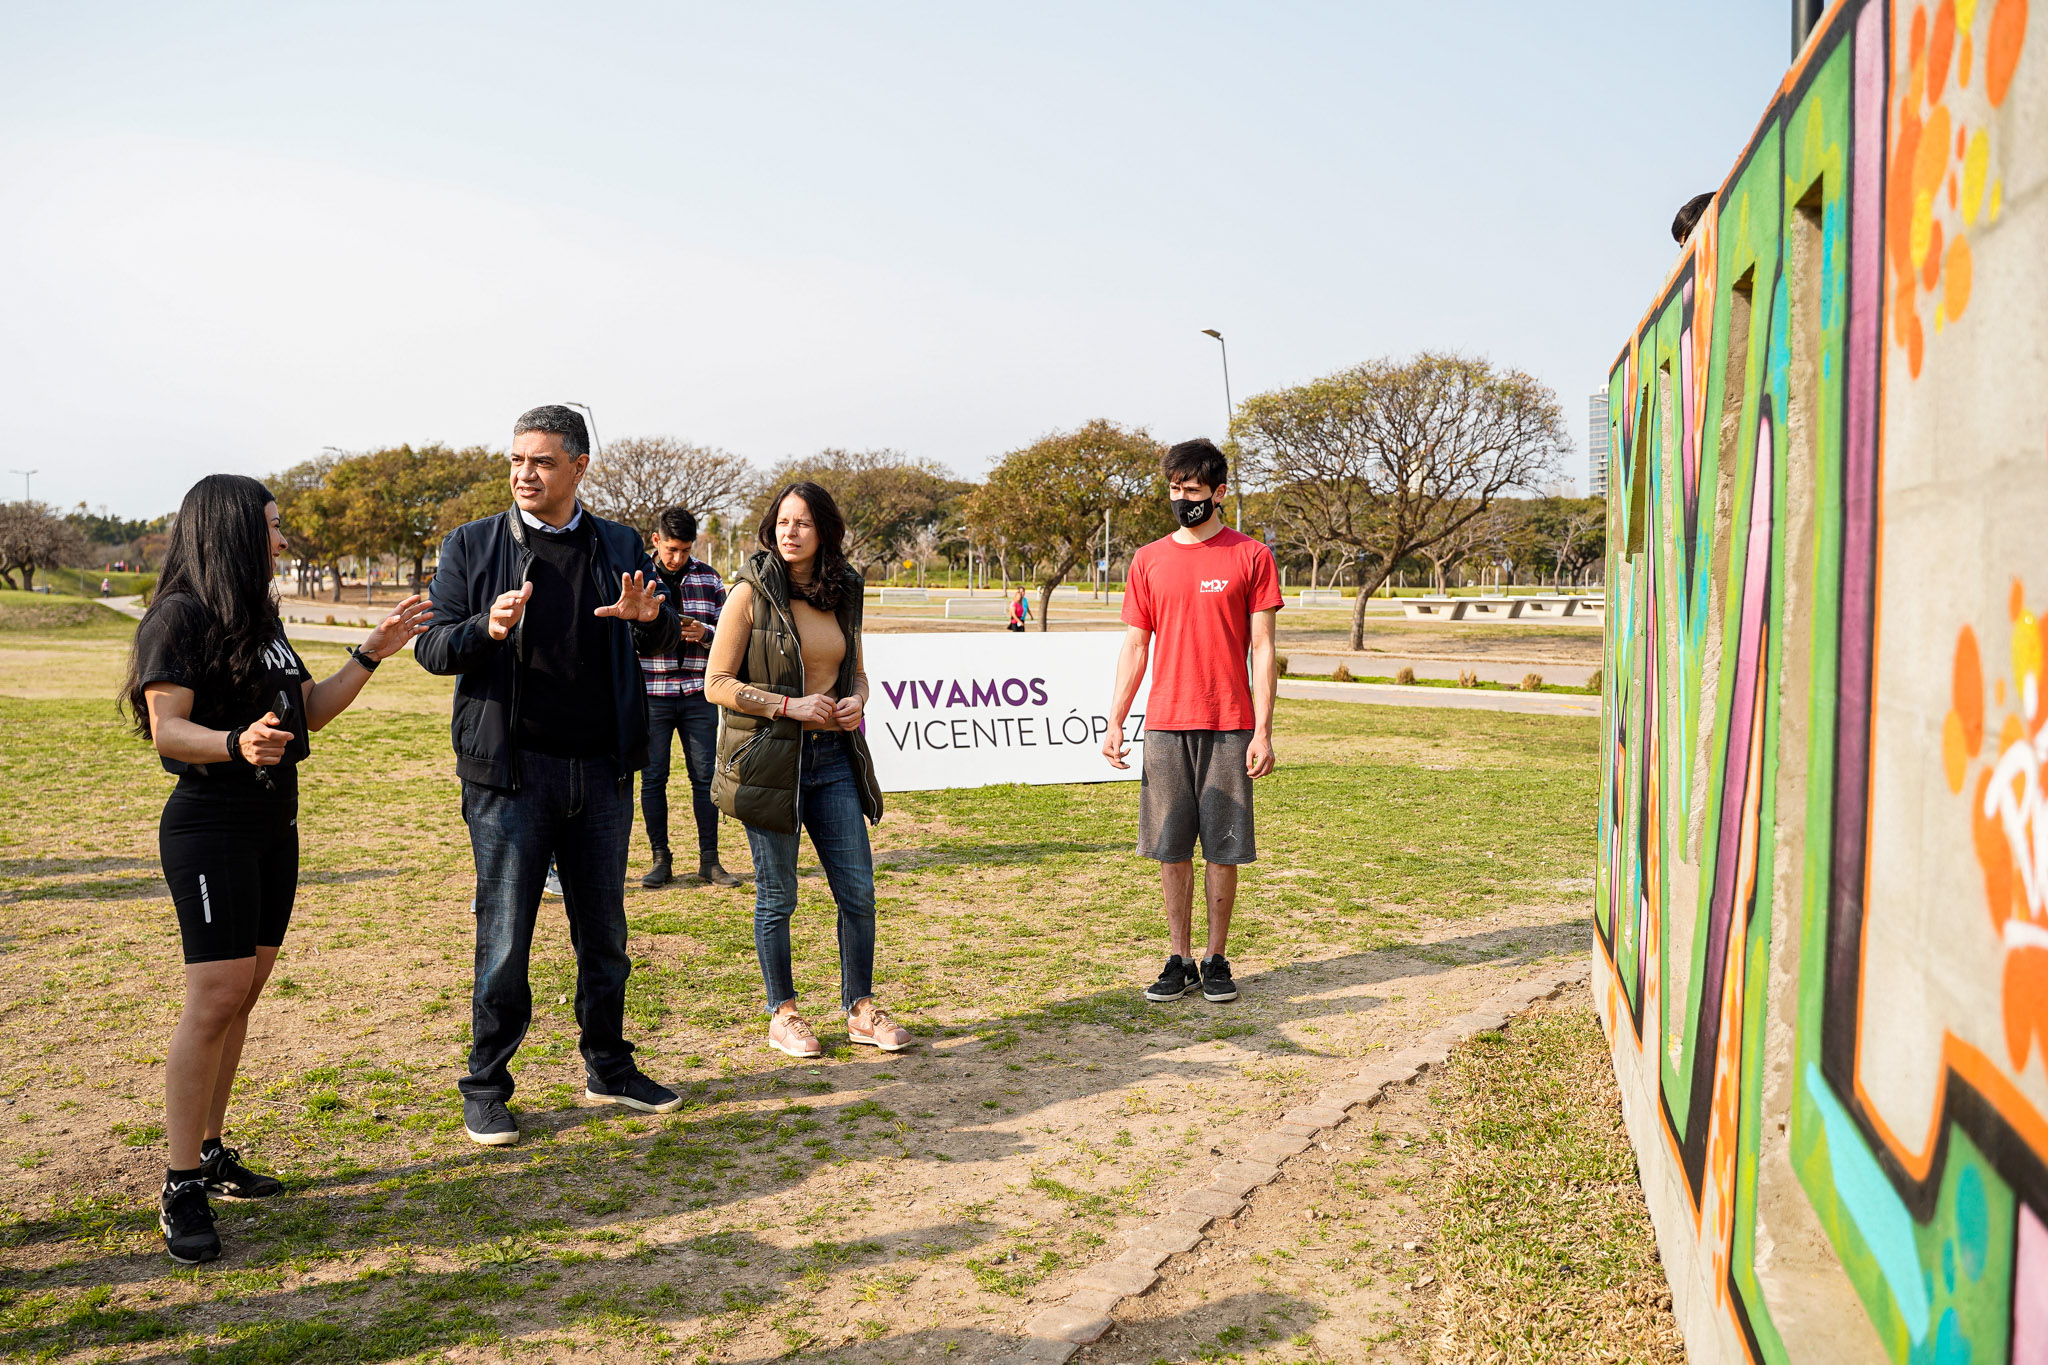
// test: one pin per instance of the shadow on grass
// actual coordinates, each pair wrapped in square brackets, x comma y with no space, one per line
[65,867]
[394,1316]
[693,1160]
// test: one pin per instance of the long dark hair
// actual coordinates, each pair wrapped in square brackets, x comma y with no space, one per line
[220,555]
[831,575]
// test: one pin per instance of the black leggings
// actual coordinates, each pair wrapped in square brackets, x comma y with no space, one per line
[232,859]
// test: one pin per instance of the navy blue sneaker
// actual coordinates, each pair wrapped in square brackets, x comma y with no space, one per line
[489,1123]
[634,1091]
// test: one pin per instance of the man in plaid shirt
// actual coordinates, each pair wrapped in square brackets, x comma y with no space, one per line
[675,701]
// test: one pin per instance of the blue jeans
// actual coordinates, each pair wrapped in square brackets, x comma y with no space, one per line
[829,807]
[579,813]
[696,721]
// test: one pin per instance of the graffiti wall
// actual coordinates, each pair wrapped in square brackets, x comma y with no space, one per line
[1822,914]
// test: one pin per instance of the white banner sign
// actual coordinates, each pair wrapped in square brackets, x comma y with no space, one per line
[970,710]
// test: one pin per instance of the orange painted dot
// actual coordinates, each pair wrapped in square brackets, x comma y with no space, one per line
[2002,47]
[1930,268]
[2016,600]
[1941,46]
[1955,276]
[1966,691]
[1955,759]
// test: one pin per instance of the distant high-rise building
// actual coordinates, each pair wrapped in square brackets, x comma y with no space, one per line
[1596,446]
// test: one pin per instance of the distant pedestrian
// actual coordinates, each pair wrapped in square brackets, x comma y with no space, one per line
[1206,596]
[1020,609]
[106,587]
[786,668]
[676,704]
[542,612]
[228,704]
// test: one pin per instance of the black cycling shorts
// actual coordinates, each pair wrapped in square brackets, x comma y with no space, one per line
[232,859]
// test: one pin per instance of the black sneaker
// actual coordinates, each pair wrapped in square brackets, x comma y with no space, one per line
[1176,980]
[1217,986]
[187,1222]
[663,871]
[226,1176]
[634,1091]
[489,1123]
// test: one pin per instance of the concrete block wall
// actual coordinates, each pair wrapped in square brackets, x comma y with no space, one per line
[1822,908]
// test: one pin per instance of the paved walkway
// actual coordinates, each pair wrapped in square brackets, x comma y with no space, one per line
[1455,698]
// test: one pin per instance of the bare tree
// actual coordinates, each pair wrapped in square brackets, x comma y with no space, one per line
[1484,533]
[1390,457]
[885,496]
[33,536]
[638,478]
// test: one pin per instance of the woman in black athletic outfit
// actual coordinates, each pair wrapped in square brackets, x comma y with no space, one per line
[228,704]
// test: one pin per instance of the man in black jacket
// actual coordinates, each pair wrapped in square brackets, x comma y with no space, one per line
[550,724]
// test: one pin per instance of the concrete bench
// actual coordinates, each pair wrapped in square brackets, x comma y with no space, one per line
[896,597]
[1434,608]
[996,607]
[1493,608]
[1549,608]
[1322,597]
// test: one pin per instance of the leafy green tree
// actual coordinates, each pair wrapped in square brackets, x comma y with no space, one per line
[308,513]
[104,528]
[393,498]
[1046,502]
[1389,457]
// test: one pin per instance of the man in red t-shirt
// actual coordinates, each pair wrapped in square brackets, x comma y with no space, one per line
[1208,596]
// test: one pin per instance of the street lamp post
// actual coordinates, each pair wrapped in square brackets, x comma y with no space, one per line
[26,475]
[1229,412]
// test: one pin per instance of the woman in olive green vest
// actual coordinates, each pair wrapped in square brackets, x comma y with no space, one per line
[785,667]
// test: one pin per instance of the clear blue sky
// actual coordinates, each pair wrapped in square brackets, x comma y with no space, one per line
[238,233]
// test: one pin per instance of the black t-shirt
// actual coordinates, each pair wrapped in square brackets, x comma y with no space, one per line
[566,707]
[169,647]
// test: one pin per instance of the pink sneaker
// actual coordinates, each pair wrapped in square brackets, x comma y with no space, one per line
[789,1033]
[871,1026]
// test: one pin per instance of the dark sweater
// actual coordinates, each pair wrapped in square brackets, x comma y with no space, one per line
[565,702]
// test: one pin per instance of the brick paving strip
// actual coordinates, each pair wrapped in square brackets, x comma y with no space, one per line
[1090,1299]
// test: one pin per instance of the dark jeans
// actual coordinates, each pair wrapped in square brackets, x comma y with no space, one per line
[579,813]
[829,807]
[696,720]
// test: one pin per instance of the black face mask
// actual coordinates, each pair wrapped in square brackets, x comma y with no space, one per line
[1191,513]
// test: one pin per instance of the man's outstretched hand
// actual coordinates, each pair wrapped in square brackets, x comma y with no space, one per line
[640,599]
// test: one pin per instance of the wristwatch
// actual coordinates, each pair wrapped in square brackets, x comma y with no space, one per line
[357,653]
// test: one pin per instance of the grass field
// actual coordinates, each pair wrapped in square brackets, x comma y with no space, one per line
[869,1206]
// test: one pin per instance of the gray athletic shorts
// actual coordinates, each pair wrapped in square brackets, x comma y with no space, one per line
[1195,783]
